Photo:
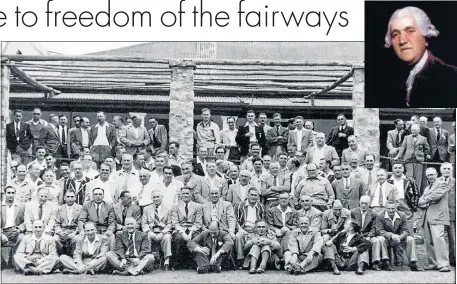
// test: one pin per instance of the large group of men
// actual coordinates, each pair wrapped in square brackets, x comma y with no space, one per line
[118,198]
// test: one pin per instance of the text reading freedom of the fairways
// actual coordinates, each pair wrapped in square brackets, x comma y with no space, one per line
[193,14]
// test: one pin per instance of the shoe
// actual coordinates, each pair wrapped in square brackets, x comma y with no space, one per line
[91,271]
[166,267]
[27,272]
[66,271]
[415,267]
[376,266]
[260,270]
[297,272]
[387,266]
[117,272]
[445,269]
[289,269]
[334,267]
[252,271]
[430,267]
[398,263]
[202,270]
[217,269]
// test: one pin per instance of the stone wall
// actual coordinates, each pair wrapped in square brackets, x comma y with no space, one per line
[5,90]
[181,119]
[365,120]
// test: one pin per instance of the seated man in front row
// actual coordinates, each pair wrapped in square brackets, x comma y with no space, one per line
[132,252]
[392,231]
[210,248]
[36,253]
[89,255]
[66,223]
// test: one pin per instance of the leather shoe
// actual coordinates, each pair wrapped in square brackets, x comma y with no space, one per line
[27,272]
[376,267]
[387,266]
[66,271]
[359,270]
[430,267]
[217,269]
[252,271]
[166,267]
[202,270]
[445,269]
[415,267]
[260,270]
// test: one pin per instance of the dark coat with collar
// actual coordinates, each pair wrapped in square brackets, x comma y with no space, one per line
[244,141]
[24,134]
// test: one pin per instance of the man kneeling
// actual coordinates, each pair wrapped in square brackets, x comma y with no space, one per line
[132,251]
[260,243]
[304,248]
[210,248]
[89,255]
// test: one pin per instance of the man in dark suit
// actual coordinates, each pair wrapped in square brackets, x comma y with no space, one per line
[210,248]
[158,134]
[79,138]
[63,134]
[427,81]
[338,136]
[19,139]
[50,139]
[439,139]
[250,133]
[132,253]
[126,208]
[277,137]
[446,170]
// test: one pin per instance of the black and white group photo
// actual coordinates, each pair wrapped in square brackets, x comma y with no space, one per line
[217,162]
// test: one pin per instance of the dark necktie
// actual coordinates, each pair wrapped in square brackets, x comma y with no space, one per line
[63,135]
[370,178]
[275,181]
[98,212]
[347,184]
[17,129]
[131,247]
[438,134]
[398,139]
[381,198]
[124,215]
[213,247]
[277,130]
[37,246]
[187,210]
[40,211]
[156,217]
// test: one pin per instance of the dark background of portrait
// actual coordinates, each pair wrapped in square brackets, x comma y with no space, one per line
[382,64]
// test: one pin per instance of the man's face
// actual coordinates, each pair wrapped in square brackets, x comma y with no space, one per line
[140,160]
[352,142]
[306,202]
[213,231]
[40,154]
[437,122]
[282,160]
[274,170]
[277,120]
[127,162]
[48,177]
[186,169]
[312,171]
[38,228]
[391,210]
[244,178]
[258,166]
[364,204]
[185,195]
[369,162]
[231,123]
[130,225]
[110,161]
[262,119]
[36,114]
[382,176]
[87,161]
[43,196]
[233,173]
[250,117]
[127,199]
[10,193]
[85,123]
[153,122]
[77,121]
[337,171]
[172,149]
[397,170]
[206,116]
[160,162]
[423,122]
[309,125]
[211,169]
[323,165]
[116,121]
[320,140]
[304,226]
[35,171]
[341,120]
[266,162]
[21,172]
[98,195]
[414,130]
[78,169]
[89,229]
[202,153]
[101,117]
[214,195]
[255,151]
[446,170]
[145,154]
[337,211]
[284,200]
[167,175]
[400,125]
[144,177]
[18,116]
[105,172]
[137,122]
[299,123]
[354,161]
[253,196]
[157,199]
[63,120]
[346,169]
[49,161]
[407,41]
[261,228]
[291,151]
[431,176]
[70,198]
[65,171]
[220,154]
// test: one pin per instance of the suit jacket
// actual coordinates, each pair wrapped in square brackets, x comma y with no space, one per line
[391,191]
[410,149]
[147,220]
[330,154]
[142,244]
[272,136]
[161,136]
[392,139]
[105,219]
[241,212]
[50,139]
[314,215]
[302,244]
[195,183]
[434,86]
[451,197]
[274,218]
[47,246]
[268,190]
[48,217]
[132,211]
[436,197]
[62,222]
[411,192]
[225,216]
[19,209]
[243,141]
[203,195]
[25,137]
[76,140]
[234,193]
[198,168]
[192,221]
[128,137]
[347,153]
[349,197]
[329,219]
[339,143]
[357,241]
[306,141]
[80,193]
[82,251]
[204,239]
[384,225]
[368,228]
[451,148]
[110,135]
[441,145]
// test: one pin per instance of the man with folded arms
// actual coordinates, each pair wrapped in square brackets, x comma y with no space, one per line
[317,187]
[303,248]
[210,247]
[132,253]
[273,185]
[36,253]
[435,203]
[66,223]
[186,218]
[89,255]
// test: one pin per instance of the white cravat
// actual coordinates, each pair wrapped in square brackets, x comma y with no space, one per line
[412,74]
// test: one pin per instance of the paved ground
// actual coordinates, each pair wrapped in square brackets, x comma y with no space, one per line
[188,276]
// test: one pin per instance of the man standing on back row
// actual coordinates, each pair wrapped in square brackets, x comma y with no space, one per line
[338,136]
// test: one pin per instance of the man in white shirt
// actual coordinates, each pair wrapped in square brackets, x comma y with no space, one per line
[103,181]
[169,188]
[40,161]
[25,188]
[207,132]
[381,191]
[228,140]
[102,139]
[125,177]
[142,190]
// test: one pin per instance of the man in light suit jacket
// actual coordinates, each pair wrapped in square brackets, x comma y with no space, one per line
[348,189]
[134,137]
[277,138]
[314,214]
[435,201]
[301,137]
[250,133]
[191,180]
[102,145]
[451,146]
[439,141]
[41,209]
[79,138]
[414,149]
[186,218]
[50,139]
[36,253]
[126,208]
[158,135]
[219,210]
[381,192]
[446,170]
[239,192]
[211,180]
[273,185]
[395,137]
[19,139]
[354,148]
[321,150]
[87,258]
[338,136]
[67,223]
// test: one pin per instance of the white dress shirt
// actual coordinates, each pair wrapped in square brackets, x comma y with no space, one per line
[375,200]
[101,138]
[170,193]
[69,212]
[10,215]
[318,155]
[84,137]
[399,186]
[299,138]
[91,245]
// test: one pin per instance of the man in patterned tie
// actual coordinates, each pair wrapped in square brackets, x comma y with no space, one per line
[381,191]
[132,254]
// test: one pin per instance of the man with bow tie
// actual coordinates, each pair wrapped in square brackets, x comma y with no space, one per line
[19,139]
[36,254]
[66,223]
[434,202]
[210,247]
[132,254]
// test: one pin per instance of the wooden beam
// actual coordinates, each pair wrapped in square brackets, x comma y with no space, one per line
[5,94]
[29,80]
[329,88]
